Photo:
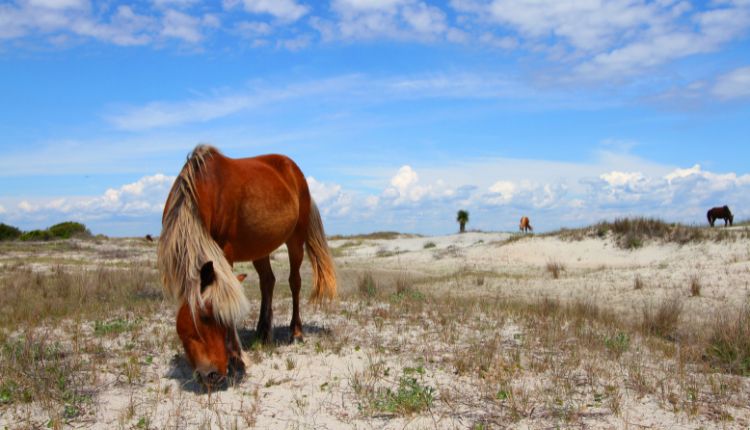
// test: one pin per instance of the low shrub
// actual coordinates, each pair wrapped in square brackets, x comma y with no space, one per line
[8,232]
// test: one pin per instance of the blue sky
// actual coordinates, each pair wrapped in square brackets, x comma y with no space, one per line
[400,112]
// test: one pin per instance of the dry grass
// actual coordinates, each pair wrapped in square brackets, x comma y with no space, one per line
[29,297]
[638,282]
[633,233]
[662,319]
[37,368]
[433,359]
[695,285]
[367,286]
[729,342]
[555,269]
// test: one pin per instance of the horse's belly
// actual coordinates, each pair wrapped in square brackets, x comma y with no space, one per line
[261,230]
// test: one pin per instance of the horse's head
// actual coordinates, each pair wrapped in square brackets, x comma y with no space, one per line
[209,345]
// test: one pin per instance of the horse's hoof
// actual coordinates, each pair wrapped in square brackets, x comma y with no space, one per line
[296,339]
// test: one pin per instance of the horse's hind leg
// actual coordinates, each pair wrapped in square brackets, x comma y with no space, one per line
[267,280]
[296,254]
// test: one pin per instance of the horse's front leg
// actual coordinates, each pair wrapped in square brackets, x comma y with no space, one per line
[267,281]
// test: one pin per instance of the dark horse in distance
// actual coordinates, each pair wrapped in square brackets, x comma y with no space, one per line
[722,212]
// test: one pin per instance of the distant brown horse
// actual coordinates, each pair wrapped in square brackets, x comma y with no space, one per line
[722,212]
[525,225]
[220,211]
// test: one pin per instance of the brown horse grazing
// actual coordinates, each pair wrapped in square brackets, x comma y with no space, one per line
[222,210]
[722,212]
[525,224]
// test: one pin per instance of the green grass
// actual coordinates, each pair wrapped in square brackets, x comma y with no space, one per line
[111,327]
[411,396]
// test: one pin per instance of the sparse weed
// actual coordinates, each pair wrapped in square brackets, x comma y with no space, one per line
[617,344]
[367,286]
[638,282]
[555,269]
[695,285]
[411,396]
[662,321]
[729,342]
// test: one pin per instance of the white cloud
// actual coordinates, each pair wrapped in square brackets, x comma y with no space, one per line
[393,19]
[175,3]
[733,85]
[121,25]
[251,29]
[181,26]
[355,6]
[59,4]
[160,114]
[405,189]
[622,179]
[330,198]
[602,41]
[288,10]
[505,190]
[552,194]
[25,206]
[425,19]
[145,197]
[351,87]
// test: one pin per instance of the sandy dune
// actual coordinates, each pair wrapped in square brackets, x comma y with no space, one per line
[360,347]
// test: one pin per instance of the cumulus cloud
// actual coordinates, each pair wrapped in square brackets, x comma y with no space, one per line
[502,192]
[330,198]
[144,197]
[523,195]
[408,202]
[405,188]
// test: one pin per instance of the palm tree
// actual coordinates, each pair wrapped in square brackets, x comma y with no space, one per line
[462,218]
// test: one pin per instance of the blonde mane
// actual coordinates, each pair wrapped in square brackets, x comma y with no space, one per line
[185,245]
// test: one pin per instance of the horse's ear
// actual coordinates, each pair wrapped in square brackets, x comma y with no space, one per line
[208,276]
[241,277]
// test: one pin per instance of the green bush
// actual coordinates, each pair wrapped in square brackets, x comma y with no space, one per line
[63,230]
[8,232]
[36,235]
[66,230]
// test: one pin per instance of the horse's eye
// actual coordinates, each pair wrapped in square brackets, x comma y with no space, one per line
[206,319]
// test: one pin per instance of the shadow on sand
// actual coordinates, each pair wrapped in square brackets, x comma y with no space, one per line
[181,371]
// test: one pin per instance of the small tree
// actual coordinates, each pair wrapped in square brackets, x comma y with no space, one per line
[462,217]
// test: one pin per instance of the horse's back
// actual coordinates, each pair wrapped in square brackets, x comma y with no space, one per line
[252,204]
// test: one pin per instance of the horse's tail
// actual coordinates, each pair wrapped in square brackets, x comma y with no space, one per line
[323,270]
[708,216]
